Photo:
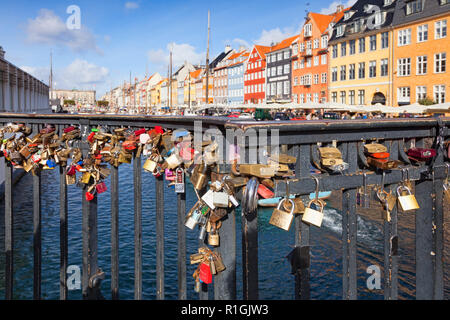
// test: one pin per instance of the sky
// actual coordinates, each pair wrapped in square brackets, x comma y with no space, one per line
[115,38]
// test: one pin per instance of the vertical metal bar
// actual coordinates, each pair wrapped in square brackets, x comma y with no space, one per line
[302,169]
[225,282]
[37,245]
[114,233]
[349,229]
[181,208]
[160,238]
[9,234]
[63,233]
[424,238]
[137,228]
[89,231]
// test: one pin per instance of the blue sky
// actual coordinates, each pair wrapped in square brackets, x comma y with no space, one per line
[117,36]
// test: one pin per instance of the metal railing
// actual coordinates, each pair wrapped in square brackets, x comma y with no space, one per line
[296,138]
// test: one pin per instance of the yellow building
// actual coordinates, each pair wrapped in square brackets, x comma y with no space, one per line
[155,94]
[360,55]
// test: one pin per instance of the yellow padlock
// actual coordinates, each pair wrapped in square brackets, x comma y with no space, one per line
[283,219]
[407,202]
[314,217]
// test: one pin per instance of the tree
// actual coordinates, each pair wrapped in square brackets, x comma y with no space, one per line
[427,101]
[103,103]
[69,102]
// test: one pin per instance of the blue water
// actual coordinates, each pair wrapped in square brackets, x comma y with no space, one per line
[275,280]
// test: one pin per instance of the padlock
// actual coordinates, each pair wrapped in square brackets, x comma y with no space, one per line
[407,202]
[193,220]
[71,179]
[150,165]
[208,198]
[218,262]
[179,181]
[281,218]
[299,207]
[212,265]
[101,187]
[214,239]
[283,158]
[173,161]
[205,273]
[314,217]
[199,177]
[265,192]
[257,170]
[374,148]
[386,213]
[421,154]
[330,153]
[86,178]
[169,175]
[196,258]
[220,199]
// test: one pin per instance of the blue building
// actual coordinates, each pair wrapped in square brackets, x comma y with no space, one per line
[236,67]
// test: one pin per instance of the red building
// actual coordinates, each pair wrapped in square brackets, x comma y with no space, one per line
[310,58]
[255,76]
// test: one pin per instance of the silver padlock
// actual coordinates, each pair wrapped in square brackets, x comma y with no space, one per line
[220,199]
[208,198]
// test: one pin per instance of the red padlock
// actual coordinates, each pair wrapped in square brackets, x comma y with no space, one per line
[380,155]
[89,196]
[265,192]
[129,145]
[159,129]
[187,154]
[137,133]
[90,138]
[71,171]
[205,273]
[69,129]
[421,154]
[101,187]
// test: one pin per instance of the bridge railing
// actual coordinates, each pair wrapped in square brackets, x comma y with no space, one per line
[299,139]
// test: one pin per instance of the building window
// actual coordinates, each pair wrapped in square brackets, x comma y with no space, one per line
[439,93]
[414,7]
[286,55]
[279,70]
[302,64]
[385,40]
[316,61]
[324,77]
[340,30]
[323,59]
[296,81]
[404,37]
[384,68]
[334,96]
[335,51]
[351,71]
[422,33]
[421,93]
[404,94]
[372,69]
[440,62]
[295,65]
[404,67]
[373,42]
[351,96]
[324,42]
[361,97]
[307,30]
[343,99]
[302,98]
[343,49]
[279,56]
[302,47]
[308,45]
[362,70]
[440,29]
[343,73]
[422,64]
[334,74]
[316,78]
[308,97]
[362,45]
[279,88]
[287,87]
[316,43]
[352,45]
[287,68]
[308,62]
[295,49]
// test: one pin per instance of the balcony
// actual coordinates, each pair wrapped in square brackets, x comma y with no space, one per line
[307,53]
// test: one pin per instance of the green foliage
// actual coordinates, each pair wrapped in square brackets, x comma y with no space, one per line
[103,103]
[427,101]
[69,102]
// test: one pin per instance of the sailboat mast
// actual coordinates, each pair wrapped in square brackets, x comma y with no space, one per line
[207,60]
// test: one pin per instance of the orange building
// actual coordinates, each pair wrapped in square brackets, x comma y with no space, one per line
[421,49]
[310,58]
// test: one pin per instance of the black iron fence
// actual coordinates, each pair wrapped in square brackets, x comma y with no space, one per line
[299,139]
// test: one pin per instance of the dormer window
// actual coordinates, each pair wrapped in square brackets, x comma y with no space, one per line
[444,2]
[340,30]
[388,2]
[348,14]
[307,30]
[415,6]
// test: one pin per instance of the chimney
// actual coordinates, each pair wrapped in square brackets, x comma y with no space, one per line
[2,53]
[227,48]
[339,8]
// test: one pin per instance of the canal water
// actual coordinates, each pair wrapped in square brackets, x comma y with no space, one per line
[275,280]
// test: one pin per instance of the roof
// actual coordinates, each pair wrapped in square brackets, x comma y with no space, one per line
[237,55]
[431,8]
[283,44]
[362,10]
[195,74]
[262,50]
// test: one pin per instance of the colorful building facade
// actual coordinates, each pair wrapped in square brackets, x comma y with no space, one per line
[235,69]
[255,76]
[421,48]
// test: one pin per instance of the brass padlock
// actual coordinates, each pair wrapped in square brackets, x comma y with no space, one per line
[258,170]
[218,262]
[125,157]
[86,178]
[213,238]
[199,177]
[281,218]
[71,179]
[314,217]
[407,202]
[374,148]
[299,207]
[150,165]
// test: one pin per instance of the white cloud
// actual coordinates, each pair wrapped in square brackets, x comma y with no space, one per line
[242,42]
[275,35]
[48,28]
[332,7]
[131,5]
[180,53]
[80,74]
